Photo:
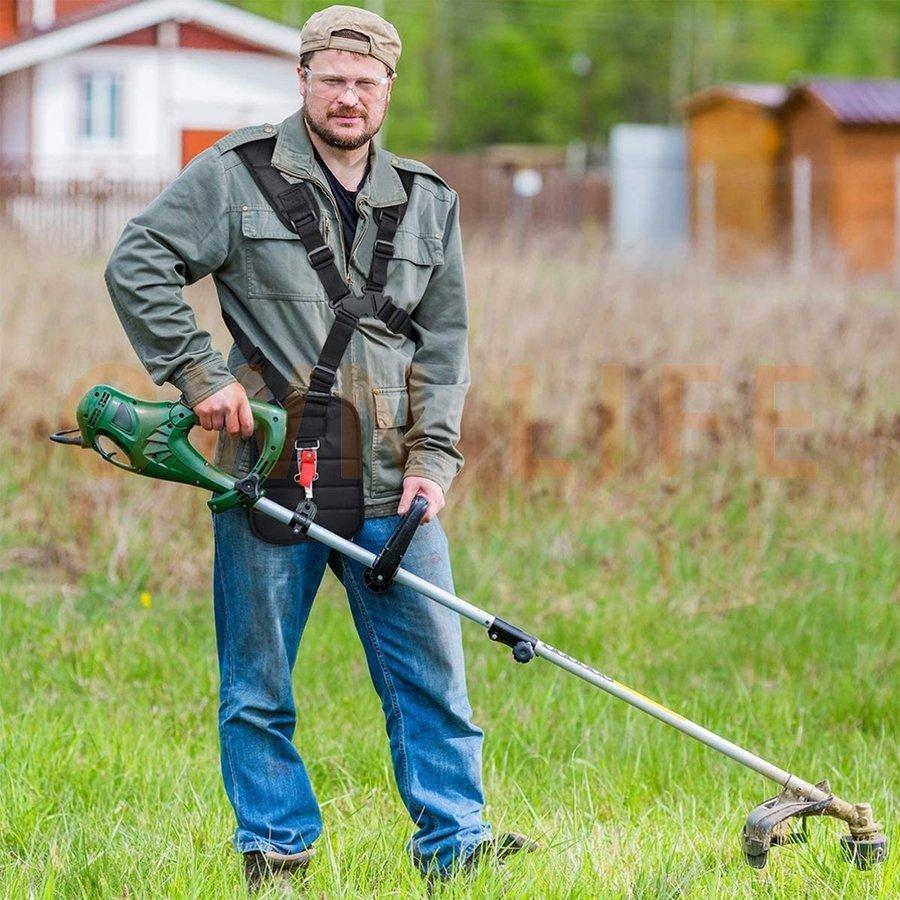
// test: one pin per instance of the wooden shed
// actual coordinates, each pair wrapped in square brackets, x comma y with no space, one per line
[734,156]
[842,150]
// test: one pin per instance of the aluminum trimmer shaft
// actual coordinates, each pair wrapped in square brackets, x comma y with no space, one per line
[864,845]
[557,657]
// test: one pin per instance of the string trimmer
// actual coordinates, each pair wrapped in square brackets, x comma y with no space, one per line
[154,439]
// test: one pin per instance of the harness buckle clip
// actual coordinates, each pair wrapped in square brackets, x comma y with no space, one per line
[374,300]
[307,465]
[302,221]
[337,303]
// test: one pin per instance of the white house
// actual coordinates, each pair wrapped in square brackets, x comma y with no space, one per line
[131,90]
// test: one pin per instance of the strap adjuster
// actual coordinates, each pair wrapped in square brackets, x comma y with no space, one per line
[391,213]
[322,375]
[384,248]
[320,257]
[396,319]
[320,398]
[256,360]
[306,218]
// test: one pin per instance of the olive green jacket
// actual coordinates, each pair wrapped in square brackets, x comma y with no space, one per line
[213,220]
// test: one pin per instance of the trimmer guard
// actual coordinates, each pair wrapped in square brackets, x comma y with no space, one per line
[767,825]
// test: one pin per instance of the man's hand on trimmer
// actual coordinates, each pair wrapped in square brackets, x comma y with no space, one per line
[432,491]
[228,408]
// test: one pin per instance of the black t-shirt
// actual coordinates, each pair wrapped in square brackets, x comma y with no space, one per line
[346,203]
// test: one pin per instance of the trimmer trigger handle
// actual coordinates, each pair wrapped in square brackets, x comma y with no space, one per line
[382,572]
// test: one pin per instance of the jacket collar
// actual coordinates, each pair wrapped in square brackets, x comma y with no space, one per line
[294,155]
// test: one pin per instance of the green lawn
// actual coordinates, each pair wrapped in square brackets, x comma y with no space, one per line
[767,614]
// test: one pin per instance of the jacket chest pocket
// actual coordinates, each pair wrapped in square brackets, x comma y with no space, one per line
[275,260]
[415,258]
[388,448]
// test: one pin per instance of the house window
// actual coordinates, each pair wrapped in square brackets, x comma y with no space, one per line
[99,106]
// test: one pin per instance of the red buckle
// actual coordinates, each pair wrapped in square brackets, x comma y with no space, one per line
[307,458]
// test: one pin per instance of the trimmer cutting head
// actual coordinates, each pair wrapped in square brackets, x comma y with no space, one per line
[769,826]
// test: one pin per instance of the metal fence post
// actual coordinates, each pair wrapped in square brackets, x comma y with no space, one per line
[706,213]
[801,216]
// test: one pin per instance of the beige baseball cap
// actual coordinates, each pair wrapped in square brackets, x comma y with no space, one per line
[381,38]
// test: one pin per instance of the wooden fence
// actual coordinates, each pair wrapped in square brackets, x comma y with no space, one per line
[488,200]
[77,216]
[88,216]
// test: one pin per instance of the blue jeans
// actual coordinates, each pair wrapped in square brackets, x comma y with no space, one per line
[263,594]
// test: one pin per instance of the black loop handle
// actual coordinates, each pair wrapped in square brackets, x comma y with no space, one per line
[383,571]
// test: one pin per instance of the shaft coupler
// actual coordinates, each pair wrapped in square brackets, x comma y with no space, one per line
[303,517]
[522,642]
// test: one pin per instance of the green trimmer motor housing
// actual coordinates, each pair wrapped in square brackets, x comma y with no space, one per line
[153,435]
[154,438]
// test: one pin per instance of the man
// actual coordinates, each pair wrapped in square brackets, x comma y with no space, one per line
[408,391]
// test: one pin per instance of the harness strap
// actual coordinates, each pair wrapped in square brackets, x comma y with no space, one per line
[258,361]
[388,221]
[295,206]
[299,207]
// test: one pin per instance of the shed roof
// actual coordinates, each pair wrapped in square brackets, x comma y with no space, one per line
[764,95]
[856,101]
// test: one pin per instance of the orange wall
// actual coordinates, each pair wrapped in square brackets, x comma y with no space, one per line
[195,140]
[200,38]
[811,131]
[743,142]
[145,37]
[853,186]
[864,197]
[8,27]
[68,7]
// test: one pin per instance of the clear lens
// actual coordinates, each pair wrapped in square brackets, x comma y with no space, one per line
[331,87]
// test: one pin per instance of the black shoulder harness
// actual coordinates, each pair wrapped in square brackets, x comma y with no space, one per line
[326,430]
[295,207]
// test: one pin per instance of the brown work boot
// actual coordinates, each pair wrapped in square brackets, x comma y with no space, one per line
[499,848]
[490,852]
[264,867]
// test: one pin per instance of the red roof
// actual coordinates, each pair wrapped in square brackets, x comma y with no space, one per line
[858,101]
[66,18]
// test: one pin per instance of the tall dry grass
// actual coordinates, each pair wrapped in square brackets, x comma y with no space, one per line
[581,367]
[545,321]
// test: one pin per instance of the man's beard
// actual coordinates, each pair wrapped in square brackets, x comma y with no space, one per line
[335,138]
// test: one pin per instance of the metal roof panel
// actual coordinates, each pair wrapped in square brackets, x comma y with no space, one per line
[859,101]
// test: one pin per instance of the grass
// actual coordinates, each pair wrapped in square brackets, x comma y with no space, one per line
[771,620]
[765,609]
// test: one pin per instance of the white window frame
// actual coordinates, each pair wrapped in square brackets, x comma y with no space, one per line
[99,107]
